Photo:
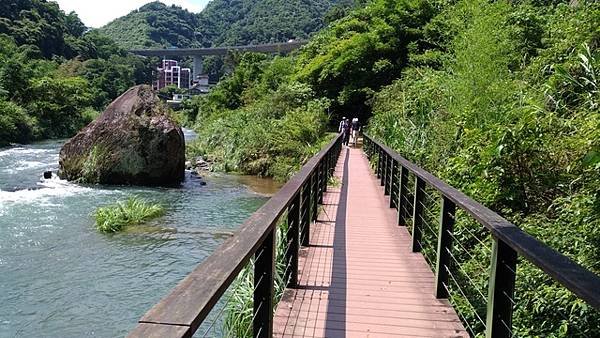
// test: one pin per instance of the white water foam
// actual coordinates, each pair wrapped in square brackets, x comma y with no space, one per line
[24,151]
[50,189]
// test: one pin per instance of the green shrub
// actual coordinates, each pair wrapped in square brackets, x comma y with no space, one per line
[15,124]
[260,122]
[133,211]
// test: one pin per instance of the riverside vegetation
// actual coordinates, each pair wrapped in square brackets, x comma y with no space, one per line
[499,99]
[133,211]
[54,74]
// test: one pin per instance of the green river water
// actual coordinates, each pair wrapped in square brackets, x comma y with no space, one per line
[60,277]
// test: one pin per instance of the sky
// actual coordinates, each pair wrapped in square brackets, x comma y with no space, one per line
[97,13]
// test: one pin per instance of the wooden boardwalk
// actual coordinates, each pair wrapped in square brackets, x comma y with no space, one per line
[358,277]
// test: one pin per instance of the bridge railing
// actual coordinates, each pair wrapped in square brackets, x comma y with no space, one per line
[192,303]
[468,236]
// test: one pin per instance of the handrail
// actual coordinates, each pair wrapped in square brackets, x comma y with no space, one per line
[184,309]
[509,239]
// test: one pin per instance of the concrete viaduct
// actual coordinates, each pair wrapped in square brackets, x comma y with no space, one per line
[198,53]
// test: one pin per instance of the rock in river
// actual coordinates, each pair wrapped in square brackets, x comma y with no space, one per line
[134,141]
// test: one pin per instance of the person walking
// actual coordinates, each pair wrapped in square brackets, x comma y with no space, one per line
[346,127]
[341,126]
[355,131]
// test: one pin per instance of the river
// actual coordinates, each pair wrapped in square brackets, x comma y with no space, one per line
[60,277]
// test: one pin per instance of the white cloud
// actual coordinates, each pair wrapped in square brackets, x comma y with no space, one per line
[95,13]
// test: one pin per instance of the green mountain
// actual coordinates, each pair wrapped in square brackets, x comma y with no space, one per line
[222,22]
[55,76]
[42,26]
[154,25]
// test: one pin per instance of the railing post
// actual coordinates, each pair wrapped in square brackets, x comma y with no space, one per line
[393,169]
[319,183]
[264,267]
[418,214]
[501,290]
[379,162]
[333,162]
[326,164]
[444,247]
[402,193]
[291,257]
[315,194]
[305,214]
[384,168]
[389,165]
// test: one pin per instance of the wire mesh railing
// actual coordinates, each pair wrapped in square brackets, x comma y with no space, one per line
[234,291]
[474,254]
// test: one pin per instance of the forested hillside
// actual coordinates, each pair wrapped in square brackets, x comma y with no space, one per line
[54,76]
[241,22]
[222,22]
[500,99]
[155,25]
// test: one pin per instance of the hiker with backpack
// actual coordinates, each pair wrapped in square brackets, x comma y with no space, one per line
[355,129]
[345,128]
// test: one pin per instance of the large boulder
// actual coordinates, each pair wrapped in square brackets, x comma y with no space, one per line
[134,141]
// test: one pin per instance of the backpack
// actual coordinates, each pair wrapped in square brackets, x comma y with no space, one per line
[346,126]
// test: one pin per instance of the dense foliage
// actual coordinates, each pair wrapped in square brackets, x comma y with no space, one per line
[222,22]
[42,25]
[258,121]
[55,76]
[155,25]
[359,53]
[503,103]
[241,22]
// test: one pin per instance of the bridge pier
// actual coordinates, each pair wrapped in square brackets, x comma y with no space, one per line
[197,71]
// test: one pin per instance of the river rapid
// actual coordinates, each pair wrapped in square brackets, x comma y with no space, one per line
[60,277]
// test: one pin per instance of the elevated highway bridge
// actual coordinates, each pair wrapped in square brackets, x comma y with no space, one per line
[198,53]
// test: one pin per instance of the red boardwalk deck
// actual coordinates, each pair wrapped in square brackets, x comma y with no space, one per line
[358,277]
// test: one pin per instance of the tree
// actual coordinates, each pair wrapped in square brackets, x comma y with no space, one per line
[58,104]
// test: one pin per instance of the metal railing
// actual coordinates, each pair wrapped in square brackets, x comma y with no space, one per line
[482,235]
[184,310]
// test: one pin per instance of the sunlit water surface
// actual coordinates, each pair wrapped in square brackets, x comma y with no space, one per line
[60,277]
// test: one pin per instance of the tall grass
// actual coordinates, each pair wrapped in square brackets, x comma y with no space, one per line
[133,211]
[239,310]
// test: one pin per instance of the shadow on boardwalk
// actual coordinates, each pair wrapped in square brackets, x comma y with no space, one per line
[358,277]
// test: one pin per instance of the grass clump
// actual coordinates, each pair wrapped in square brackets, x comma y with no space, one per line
[239,310]
[133,211]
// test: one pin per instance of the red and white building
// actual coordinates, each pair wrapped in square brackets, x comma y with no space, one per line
[170,73]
